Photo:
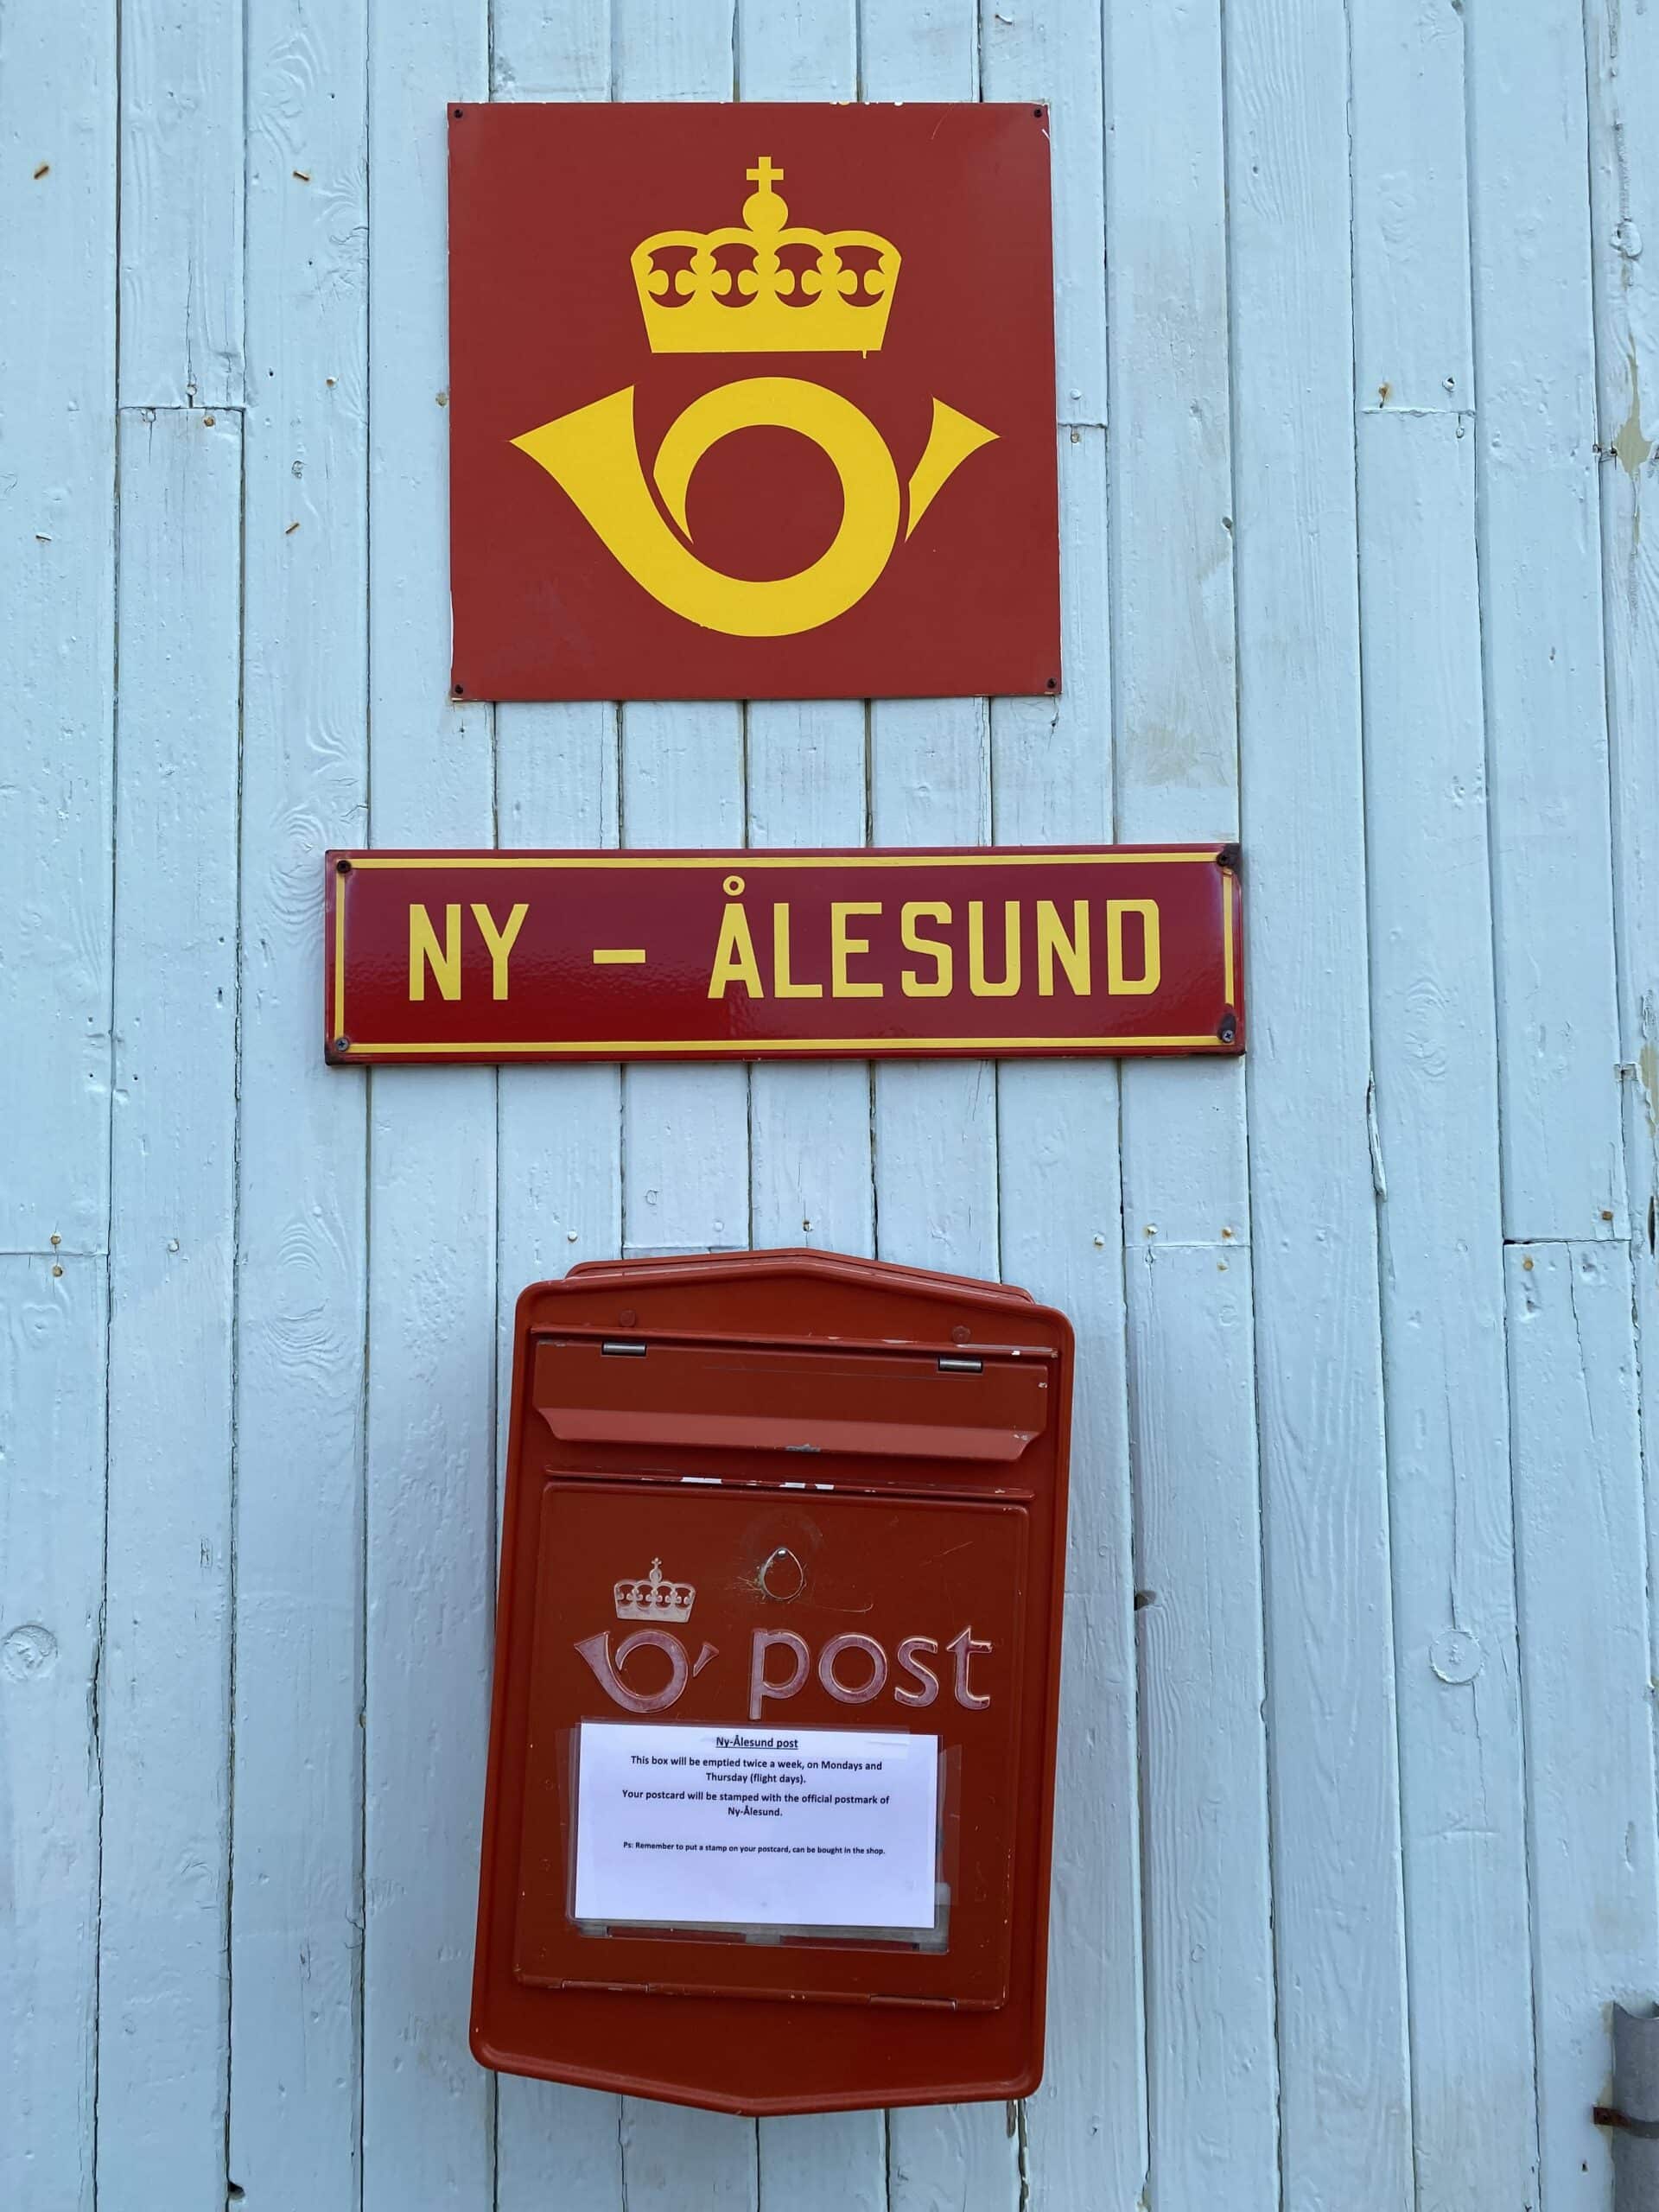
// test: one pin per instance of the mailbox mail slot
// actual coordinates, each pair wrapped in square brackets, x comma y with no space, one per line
[772,1757]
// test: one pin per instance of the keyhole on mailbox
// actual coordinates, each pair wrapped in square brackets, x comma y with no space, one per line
[782,1576]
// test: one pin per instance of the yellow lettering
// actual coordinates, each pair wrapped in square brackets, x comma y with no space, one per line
[1151,963]
[1073,951]
[932,948]
[501,942]
[978,983]
[424,952]
[842,947]
[734,960]
[783,984]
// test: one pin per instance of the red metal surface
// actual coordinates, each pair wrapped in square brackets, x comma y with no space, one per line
[550,313]
[754,955]
[919,1500]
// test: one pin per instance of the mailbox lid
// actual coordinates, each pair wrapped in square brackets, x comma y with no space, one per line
[698,1395]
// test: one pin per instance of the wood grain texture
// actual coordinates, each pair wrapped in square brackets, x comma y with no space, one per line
[1433,1027]
[1211,2063]
[164,1689]
[1453,1558]
[1542,621]
[1623,54]
[51,1338]
[1059,1207]
[1344,2105]
[1585,1645]
[297,1778]
[57,643]
[428,2108]
[559,1181]
[181,205]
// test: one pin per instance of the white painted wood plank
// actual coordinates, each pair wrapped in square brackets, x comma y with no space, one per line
[428,2108]
[1623,81]
[164,1695]
[559,1177]
[1211,2063]
[685,1130]
[57,643]
[809,1160]
[936,1125]
[543,53]
[1058,1206]
[1433,1027]
[52,1350]
[1210,1994]
[1586,1687]
[1175,678]
[1413,342]
[1462,1761]
[1344,2105]
[182,192]
[296,1901]
[1541,617]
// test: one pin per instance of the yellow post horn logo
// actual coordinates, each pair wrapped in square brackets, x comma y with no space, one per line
[592,453]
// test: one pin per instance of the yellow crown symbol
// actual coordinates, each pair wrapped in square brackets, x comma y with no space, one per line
[773,308]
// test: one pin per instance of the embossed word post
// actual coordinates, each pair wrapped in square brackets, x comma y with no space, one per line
[751,402]
[757,956]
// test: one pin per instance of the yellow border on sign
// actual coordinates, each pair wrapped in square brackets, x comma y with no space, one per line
[704,1048]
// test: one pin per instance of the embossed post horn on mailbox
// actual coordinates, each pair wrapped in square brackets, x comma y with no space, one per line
[772,1761]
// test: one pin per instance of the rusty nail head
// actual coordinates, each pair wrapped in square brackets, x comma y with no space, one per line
[342,867]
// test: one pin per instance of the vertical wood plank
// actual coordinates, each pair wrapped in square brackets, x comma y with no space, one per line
[559,1175]
[1586,1689]
[57,663]
[1541,616]
[297,1916]
[164,1694]
[57,643]
[182,193]
[52,1345]
[427,2109]
[1624,80]
[936,1125]
[1461,1753]
[1346,2123]
[1059,1205]
[1434,1025]
[1211,2065]
[685,1130]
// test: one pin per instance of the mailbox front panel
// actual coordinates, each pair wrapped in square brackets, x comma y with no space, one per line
[771,1757]
[941,1572]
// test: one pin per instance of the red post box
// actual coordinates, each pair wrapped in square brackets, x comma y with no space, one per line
[771,1757]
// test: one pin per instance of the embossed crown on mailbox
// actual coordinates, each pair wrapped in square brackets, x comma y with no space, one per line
[766,307]
[653,1600]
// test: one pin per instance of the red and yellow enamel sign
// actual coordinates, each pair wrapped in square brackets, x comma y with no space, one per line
[751,402]
[489,955]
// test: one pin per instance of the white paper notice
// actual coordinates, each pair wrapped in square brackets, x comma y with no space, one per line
[826,1827]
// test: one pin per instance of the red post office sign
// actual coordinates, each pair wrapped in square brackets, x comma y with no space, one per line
[491,956]
[772,1760]
[751,402]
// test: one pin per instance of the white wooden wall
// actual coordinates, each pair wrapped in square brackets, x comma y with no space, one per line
[1356,1831]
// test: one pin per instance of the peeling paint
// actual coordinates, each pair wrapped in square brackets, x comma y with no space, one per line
[1633,448]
